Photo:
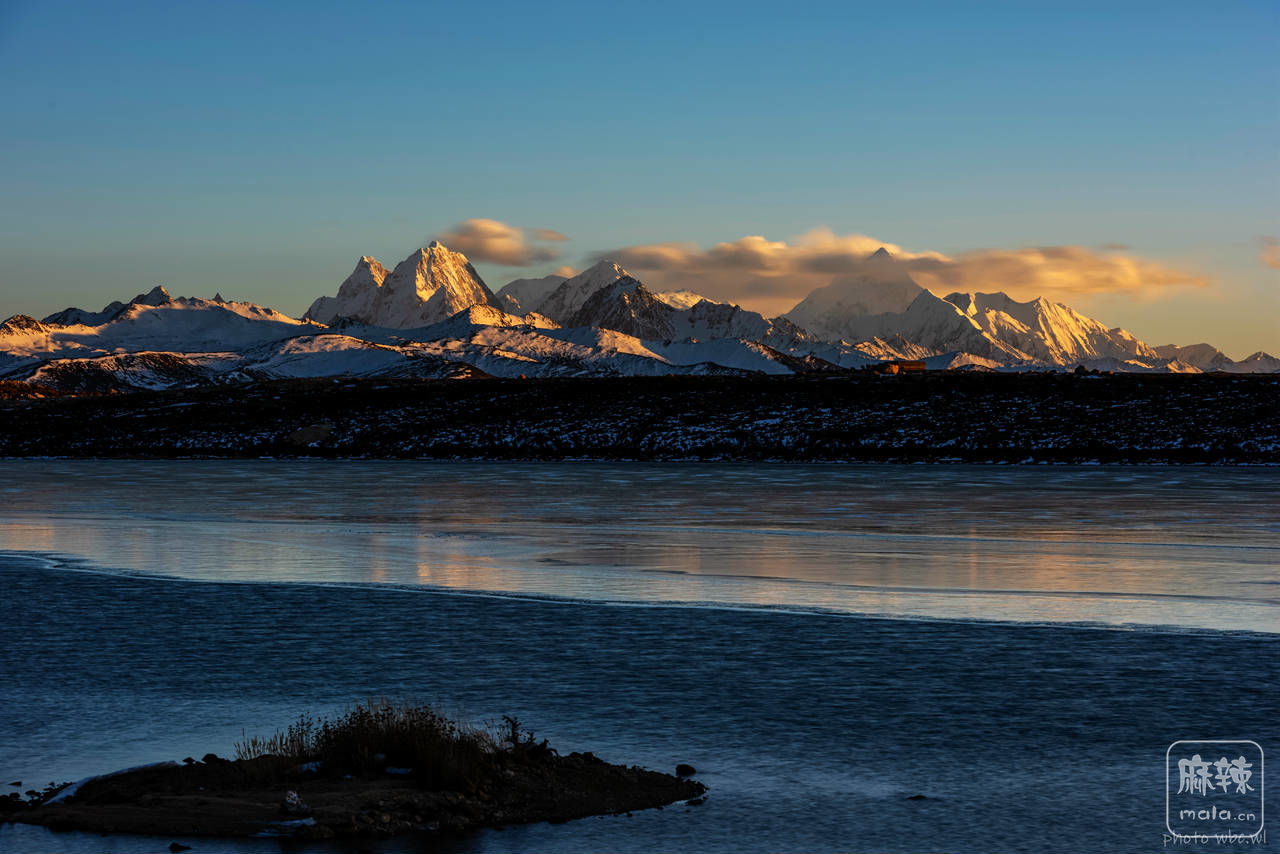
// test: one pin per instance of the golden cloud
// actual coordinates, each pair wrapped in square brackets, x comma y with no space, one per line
[775,274]
[499,243]
[1270,255]
[1053,271]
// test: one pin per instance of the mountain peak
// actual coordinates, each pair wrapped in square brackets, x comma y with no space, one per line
[603,265]
[22,323]
[522,296]
[835,311]
[369,267]
[565,301]
[156,296]
[1205,357]
[432,284]
[433,261]
[436,252]
[602,272]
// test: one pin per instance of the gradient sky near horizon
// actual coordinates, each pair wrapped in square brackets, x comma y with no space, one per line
[260,149]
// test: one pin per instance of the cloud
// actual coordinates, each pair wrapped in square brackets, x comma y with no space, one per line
[818,251]
[1270,254]
[1059,272]
[499,243]
[780,273]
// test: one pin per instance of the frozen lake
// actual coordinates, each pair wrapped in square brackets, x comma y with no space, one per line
[1018,645]
[1192,547]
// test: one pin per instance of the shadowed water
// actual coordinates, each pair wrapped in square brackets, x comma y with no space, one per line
[811,725]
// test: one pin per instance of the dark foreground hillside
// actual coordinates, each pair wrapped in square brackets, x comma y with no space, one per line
[849,416]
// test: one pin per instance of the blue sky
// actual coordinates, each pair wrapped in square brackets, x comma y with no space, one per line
[259,150]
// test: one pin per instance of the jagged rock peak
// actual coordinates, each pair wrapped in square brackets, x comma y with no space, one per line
[602,269]
[23,323]
[565,301]
[432,284]
[440,265]
[156,296]
[368,273]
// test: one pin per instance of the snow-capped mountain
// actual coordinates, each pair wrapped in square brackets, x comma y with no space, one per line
[157,324]
[356,294]
[189,324]
[431,285]
[628,306]
[191,341]
[928,322]
[608,297]
[525,295]
[522,296]
[79,317]
[22,326]
[681,299]
[707,319]
[461,325]
[1205,357]
[433,316]
[895,347]
[884,302]
[534,345]
[1257,363]
[564,302]
[130,371]
[1048,332]
[513,350]
[153,341]
[475,316]
[884,288]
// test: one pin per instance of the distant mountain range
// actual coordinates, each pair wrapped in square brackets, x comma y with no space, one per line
[434,316]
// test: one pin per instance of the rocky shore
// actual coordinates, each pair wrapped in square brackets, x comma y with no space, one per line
[309,801]
[849,416]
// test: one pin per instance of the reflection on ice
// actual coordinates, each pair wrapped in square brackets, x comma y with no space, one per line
[1150,545]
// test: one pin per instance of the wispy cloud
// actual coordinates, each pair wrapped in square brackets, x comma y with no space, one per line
[1054,271]
[500,243]
[1270,254]
[775,271]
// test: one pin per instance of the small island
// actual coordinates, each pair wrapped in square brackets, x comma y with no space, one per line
[380,769]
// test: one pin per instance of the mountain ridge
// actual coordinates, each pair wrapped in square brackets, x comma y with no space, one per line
[603,321]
